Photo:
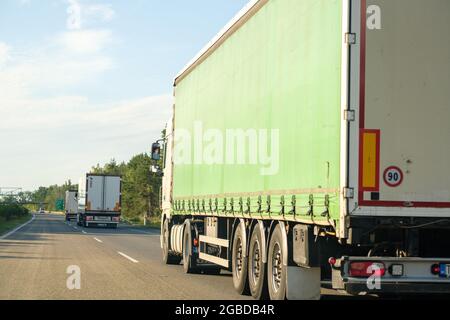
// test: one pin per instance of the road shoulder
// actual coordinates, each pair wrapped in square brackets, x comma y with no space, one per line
[8,228]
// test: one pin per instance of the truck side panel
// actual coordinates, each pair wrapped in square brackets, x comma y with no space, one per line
[276,80]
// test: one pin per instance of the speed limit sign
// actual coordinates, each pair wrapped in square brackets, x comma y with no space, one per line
[393,177]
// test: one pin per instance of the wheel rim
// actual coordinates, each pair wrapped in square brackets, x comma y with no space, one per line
[277,266]
[255,273]
[239,259]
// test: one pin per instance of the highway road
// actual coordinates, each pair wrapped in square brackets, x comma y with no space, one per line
[123,263]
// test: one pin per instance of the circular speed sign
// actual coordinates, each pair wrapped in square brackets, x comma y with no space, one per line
[393,176]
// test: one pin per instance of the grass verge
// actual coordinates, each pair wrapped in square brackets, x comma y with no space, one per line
[6,226]
[152,222]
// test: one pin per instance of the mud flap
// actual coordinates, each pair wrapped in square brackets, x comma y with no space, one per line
[303,283]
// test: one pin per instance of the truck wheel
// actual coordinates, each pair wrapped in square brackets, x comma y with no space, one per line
[257,269]
[239,263]
[189,260]
[168,258]
[276,275]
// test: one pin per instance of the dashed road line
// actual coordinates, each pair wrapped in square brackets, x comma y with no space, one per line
[98,240]
[127,257]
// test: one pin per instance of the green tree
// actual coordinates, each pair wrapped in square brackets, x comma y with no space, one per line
[140,189]
[110,168]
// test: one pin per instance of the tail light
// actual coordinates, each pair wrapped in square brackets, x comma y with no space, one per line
[115,219]
[195,242]
[365,269]
[436,269]
[89,218]
[332,261]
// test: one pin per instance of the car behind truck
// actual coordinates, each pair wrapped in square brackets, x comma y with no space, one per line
[99,201]
[310,142]
[71,204]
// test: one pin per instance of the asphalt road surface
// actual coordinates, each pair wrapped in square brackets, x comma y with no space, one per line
[123,263]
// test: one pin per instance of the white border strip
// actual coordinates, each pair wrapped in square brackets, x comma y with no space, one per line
[18,228]
[216,241]
[216,260]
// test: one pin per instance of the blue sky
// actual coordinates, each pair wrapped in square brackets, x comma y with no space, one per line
[84,81]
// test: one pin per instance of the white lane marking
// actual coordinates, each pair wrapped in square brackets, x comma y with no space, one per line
[127,257]
[18,228]
[98,240]
[83,231]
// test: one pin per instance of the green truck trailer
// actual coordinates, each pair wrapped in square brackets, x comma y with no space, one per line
[309,143]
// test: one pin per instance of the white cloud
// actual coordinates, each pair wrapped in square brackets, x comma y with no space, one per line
[103,12]
[80,14]
[47,69]
[74,15]
[85,41]
[74,112]
[4,53]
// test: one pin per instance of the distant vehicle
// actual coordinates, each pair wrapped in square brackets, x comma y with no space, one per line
[71,204]
[356,187]
[99,200]
[41,210]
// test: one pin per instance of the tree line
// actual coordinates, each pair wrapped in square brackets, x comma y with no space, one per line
[10,209]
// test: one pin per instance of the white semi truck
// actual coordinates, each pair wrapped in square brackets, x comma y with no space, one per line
[71,204]
[99,200]
[310,142]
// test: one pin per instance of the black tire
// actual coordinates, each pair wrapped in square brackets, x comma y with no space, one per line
[276,270]
[168,258]
[189,258]
[239,263]
[257,270]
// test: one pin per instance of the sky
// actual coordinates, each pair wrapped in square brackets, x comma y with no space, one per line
[86,81]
